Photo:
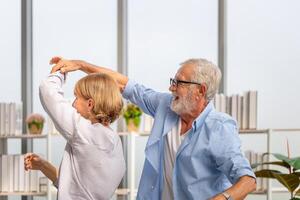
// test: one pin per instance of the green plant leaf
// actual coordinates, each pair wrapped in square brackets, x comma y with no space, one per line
[266,173]
[294,162]
[297,192]
[297,173]
[290,181]
[280,163]
[280,156]
[295,198]
[137,121]
[132,111]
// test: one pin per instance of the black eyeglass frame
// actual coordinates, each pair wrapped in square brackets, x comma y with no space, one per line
[175,82]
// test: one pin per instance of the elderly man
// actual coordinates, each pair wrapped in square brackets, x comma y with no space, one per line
[193,151]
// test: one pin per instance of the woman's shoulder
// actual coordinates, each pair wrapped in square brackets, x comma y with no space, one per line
[95,134]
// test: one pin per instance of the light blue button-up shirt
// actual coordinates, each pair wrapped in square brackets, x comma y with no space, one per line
[209,159]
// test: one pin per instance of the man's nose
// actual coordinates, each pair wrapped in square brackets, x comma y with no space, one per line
[172,88]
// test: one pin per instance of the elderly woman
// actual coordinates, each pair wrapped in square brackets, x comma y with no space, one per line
[93,163]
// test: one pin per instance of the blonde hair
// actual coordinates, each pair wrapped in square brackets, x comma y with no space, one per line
[103,89]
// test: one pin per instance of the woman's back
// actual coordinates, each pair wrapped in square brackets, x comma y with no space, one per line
[93,161]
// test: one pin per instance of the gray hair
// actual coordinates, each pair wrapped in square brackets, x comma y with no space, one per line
[205,72]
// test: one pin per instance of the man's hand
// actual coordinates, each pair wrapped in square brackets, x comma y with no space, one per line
[64,65]
[33,162]
[218,197]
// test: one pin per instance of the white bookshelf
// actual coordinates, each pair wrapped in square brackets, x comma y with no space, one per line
[3,151]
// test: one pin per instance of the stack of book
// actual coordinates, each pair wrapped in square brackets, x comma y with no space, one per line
[13,177]
[256,157]
[243,108]
[10,119]
[43,184]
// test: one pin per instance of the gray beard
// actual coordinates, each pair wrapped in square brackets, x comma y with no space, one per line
[183,105]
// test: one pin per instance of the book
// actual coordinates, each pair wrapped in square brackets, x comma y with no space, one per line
[245,112]
[10,173]
[13,119]
[4,173]
[239,110]
[19,118]
[2,118]
[7,119]
[34,183]
[234,106]
[21,174]
[16,172]
[252,109]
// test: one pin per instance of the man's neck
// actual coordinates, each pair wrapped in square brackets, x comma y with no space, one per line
[187,119]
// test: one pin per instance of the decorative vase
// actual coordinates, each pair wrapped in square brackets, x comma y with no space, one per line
[133,124]
[35,123]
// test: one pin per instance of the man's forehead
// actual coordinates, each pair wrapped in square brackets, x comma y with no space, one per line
[185,71]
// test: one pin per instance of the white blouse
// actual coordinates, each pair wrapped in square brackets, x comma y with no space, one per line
[93,162]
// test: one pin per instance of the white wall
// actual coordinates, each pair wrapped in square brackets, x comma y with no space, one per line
[263,54]
[10,50]
[162,34]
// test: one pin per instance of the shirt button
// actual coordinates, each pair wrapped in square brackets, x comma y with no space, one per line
[152,187]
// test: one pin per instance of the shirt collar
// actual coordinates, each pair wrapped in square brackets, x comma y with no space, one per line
[202,116]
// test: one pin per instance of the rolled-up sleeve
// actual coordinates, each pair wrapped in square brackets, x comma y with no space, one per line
[225,146]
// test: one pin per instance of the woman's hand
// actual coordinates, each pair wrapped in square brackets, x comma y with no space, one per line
[33,162]
[64,65]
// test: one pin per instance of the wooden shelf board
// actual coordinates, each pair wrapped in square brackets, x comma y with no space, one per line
[23,136]
[252,131]
[23,193]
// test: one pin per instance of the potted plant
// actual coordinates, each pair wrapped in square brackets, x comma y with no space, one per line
[289,178]
[35,123]
[132,115]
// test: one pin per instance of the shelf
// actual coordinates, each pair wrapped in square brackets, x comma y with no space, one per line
[23,193]
[244,131]
[122,191]
[24,136]
[287,130]
[134,133]
[259,192]
[118,192]
[253,131]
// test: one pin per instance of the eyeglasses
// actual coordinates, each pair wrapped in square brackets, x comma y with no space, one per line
[175,82]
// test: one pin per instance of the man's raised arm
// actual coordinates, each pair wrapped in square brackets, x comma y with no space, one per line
[65,66]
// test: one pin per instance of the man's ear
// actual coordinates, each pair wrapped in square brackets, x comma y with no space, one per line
[91,104]
[203,90]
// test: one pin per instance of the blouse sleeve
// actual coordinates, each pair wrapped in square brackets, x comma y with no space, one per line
[57,107]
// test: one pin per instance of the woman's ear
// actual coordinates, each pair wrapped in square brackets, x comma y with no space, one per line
[91,104]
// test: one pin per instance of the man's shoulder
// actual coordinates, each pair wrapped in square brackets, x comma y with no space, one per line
[219,117]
